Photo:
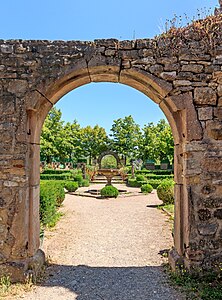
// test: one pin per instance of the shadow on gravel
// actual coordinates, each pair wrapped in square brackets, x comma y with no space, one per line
[111,283]
[153,205]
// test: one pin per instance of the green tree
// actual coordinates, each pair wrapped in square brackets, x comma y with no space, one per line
[126,137]
[93,141]
[72,147]
[51,136]
[158,142]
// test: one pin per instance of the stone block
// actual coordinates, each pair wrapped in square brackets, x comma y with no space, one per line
[192,68]
[204,214]
[205,113]
[166,60]
[156,69]
[7,49]
[178,83]
[214,129]
[185,76]
[18,86]
[218,214]
[168,75]
[212,164]
[207,229]
[205,95]
[110,52]
[219,90]
[7,105]
[218,112]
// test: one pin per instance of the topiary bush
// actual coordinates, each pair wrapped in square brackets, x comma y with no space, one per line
[146,188]
[62,176]
[85,182]
[52,171]
[140,178]
[165,191]
[78,178]
[71,186]
[109,191]
[133,182]
[154,182]
[51,196]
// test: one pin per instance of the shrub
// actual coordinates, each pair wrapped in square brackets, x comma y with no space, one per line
[157,176]
[78,178]
[51,196]
[157,172]
[52,171]
[140,178]
[146,188]
[85,182]
[63,176]
[165,191]
[109,191]
[133,183]
[154,182]
[71,186]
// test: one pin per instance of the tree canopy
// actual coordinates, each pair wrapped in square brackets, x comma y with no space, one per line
[69,141]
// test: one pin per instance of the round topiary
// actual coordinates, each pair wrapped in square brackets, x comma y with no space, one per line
[165,191]
[109,191]
[71,186]
[146,188]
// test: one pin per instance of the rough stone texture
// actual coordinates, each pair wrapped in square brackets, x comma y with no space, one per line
[186,85]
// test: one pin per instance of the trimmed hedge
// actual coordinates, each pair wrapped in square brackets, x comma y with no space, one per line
[85,182]
[133,182]
[52,195]
[157,172]
[78,178]
[140,178]
[159,176]
[109,191]
[64,176]
[52,171]
[71,186]
[154,182]
[165,191]
[146,188]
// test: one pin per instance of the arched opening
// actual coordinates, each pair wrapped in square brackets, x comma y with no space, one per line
[156,90]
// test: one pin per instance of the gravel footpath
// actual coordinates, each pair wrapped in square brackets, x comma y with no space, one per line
[107,249]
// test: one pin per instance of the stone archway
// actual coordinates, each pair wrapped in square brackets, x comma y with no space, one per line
[112,153]
[187,87]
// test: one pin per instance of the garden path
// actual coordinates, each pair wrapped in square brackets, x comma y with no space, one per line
[107,249]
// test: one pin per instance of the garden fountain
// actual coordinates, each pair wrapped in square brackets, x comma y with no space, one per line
[109,174]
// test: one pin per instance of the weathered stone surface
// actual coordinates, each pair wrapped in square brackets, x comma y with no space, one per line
[214,129]
[207,229]
[192,68]
[204,214]
[168,75]
[178,83]
[205,113]
[218,214]
[205,95]
[187,85]
[219,90]
[218,113]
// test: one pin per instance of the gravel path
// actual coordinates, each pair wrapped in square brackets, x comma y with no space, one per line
[107,249]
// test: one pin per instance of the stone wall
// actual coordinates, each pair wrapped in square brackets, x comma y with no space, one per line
[184,80]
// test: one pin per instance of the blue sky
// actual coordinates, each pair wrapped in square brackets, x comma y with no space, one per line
[98,103]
